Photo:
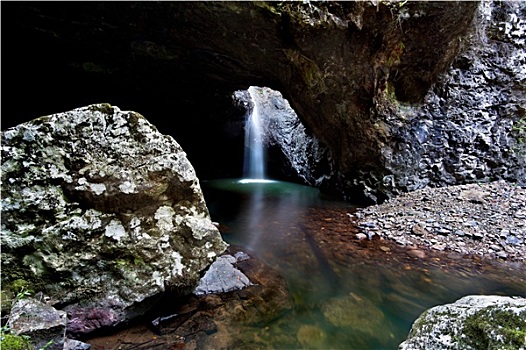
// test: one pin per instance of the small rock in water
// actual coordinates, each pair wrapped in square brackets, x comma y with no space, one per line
[361,236]
[417,253]
[222,276]
[241,256]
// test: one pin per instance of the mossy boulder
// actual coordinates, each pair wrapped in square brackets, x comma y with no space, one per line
[101,211]
[472,322]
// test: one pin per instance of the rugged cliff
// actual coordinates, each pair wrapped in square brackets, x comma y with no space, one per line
[370,80]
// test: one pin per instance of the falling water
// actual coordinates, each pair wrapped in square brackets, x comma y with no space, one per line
[255,162]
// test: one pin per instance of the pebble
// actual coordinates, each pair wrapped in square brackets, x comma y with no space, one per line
[418,230]
[361,236]
[486,220]
[417,253]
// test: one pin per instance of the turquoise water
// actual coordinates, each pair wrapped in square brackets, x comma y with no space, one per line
[346,295]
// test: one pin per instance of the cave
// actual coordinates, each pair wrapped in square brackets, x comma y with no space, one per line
[381,98]
[356,73]
[61,56]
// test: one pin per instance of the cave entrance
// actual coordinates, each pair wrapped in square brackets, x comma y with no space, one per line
[276,144]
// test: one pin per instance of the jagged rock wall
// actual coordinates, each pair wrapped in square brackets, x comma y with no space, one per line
[471,124]
[101,212]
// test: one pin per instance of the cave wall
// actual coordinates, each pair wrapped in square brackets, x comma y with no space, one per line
[470,126]
[347,68]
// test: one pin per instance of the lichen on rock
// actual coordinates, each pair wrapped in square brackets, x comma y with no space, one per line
[90,201]
[472,322]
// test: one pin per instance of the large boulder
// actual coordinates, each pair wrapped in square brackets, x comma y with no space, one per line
[472,322]
[101,212]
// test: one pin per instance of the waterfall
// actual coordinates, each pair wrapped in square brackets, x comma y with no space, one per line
[255,160]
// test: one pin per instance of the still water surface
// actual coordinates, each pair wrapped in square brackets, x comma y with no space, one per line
[347,294]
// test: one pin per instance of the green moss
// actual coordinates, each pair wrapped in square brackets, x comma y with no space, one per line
[137,261]
[121,262]
[13,291]
[483,328]
[19,285]
[103,108]
[519,132]
[14,342]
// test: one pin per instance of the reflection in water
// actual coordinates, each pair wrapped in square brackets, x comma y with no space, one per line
[347,294]
[254,212]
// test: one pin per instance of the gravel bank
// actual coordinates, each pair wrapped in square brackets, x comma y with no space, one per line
[485,220]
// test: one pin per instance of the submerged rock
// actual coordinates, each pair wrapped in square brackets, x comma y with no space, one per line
[353,311]
[472,322]
[223,320]
[101,212]
[311,337]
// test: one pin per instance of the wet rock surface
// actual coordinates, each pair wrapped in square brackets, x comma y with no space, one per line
[223,276]
[208,321]
[485,220]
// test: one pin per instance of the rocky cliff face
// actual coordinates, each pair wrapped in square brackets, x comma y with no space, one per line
[371,81]
[101,212]
[471,124]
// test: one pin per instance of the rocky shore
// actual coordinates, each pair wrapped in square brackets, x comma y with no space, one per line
[483,220]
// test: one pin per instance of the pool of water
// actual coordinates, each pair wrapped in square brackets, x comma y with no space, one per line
[347,294]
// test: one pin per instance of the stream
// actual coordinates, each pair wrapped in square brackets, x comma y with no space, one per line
[344,293]
[347,294]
